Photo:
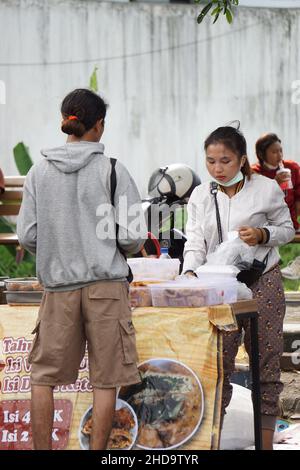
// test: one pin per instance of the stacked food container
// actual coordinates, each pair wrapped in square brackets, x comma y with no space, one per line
[156,283]
[146,273]
[23,291]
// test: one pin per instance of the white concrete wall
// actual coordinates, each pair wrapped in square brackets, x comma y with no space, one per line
[168,81]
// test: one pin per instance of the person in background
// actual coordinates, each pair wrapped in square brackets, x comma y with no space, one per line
[80,236]
[287,174]
[263,223]
[2,185]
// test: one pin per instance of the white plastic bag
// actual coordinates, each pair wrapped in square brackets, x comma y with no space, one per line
[232,252]
[238,429]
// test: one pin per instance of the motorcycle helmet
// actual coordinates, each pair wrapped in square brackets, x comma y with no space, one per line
[173,181]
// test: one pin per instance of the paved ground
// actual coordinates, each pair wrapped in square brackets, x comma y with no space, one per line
[290,397]
[292,312]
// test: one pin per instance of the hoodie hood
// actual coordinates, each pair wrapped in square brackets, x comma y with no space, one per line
[73,156]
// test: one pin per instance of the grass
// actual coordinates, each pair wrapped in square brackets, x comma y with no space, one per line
[288,253]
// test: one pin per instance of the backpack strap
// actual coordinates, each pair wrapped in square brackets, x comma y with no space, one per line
[113,186]
[113,180]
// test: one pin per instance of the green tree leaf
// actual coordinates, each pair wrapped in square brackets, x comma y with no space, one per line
[220,6]
[94,80]
[22,158]
[229,16]
[216,11]
[204,13]
[216,18]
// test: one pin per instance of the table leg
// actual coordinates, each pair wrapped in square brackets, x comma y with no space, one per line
[255,381]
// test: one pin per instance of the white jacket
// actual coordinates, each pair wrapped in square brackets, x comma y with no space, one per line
[260,203]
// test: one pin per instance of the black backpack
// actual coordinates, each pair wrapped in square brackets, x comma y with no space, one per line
[113,185]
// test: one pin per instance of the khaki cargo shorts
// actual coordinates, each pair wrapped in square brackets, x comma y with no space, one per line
[98,314]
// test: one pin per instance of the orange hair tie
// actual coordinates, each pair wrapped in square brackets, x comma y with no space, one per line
[73,118]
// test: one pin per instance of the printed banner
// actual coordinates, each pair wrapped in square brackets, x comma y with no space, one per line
[176,405]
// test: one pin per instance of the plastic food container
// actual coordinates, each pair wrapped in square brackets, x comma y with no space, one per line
[24,297]
[25,284]
[227,287]
[154,268]
[140,296]
[184,295]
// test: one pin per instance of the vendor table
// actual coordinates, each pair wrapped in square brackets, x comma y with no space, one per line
[18,321]
[248,309]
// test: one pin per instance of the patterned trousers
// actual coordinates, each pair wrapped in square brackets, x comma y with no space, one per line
[269,293]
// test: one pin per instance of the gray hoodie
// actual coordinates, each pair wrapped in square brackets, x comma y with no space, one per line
[67,220]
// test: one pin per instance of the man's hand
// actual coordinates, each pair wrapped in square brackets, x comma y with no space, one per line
[251,236]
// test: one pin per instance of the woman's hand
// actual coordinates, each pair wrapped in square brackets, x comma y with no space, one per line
[250,235]
[189,274]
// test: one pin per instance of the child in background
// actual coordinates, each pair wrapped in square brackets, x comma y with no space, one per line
[287,174]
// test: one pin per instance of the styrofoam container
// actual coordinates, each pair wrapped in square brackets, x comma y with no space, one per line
[215,270]
[154,268]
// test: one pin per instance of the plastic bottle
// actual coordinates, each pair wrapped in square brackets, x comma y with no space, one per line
[164,253]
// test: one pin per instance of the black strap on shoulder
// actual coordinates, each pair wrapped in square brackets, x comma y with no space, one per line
[214,192]
[113,186]
[113,180]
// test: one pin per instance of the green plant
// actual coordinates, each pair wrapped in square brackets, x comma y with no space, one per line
[23,163]
[10,268]
[219,7]
[22,158]
[94,80]
[289,253]
[11,263]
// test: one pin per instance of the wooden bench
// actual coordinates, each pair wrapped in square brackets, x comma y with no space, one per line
[10,203]
[296,239]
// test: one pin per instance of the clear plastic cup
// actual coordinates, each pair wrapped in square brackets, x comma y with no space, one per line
[287,183]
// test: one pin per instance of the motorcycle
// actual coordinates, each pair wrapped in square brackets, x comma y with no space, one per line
[165,209]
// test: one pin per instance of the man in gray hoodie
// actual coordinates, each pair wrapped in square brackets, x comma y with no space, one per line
[81,242]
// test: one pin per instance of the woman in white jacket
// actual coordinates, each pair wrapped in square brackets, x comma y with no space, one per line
[254,206]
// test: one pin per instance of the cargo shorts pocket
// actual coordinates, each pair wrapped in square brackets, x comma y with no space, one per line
[127,333]
[104,302]
[35,342]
